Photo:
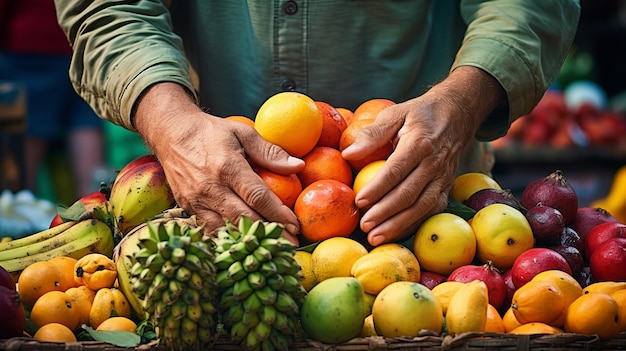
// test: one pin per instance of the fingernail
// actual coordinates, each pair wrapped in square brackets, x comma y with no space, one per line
[362,203]
[294,161]
[376,240]
[291,228]
[367,226]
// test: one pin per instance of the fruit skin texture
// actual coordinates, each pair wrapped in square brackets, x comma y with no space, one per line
[326,209]
[405,308]
[539,301]
[536,260]
[467,310]
[335,256]
[608,260]
[589,217]
[55,332]
[105,302]
[290,120]
[55,307]
[555,191]
[333,311]
[546,223]
[405,255]
[377,270]
[38,279]
[431,280]
[333,125]
[138,195]
[13,319]
[593,313]
[502,234]
[486,273]
[444,242]
[601,233]
[95,271]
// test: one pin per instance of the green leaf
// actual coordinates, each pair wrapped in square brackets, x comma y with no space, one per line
[308,248]
[115,337]
[459,209]
[73,212]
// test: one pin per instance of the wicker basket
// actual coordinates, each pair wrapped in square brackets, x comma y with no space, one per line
[424,342]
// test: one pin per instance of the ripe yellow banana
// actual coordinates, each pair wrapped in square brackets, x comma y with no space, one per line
[121,255]
[140,194]
[36,237]
[467,309]
[62,238]
[94,236]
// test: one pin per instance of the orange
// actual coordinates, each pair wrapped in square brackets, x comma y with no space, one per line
[333,125]
[366,174]
[55,332]
[286,186]
[324,162]
[242,119]
[536,328]
[593,313]
[326,209]
[349,135]
[108,302]
[118,323]
[55,307]
[38,279]
[334,257]
[83,298]
[290,120]
[495,323]
[538,301]
[66,266]
[370,108]
[347,114]
[510,321]
[468,183]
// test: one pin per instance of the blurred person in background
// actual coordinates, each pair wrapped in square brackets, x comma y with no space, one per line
[35,53]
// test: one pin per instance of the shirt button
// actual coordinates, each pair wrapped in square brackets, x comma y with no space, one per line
[290,7]
[288,85]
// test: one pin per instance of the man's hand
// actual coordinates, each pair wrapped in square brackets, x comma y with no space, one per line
[205,159]
[430,133]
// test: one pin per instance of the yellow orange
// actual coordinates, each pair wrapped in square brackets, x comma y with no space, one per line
[83,298]
[242,119]
[118,323]
[55,307]
[366,174]
[376,270]
[538,301]
[37,279]
[536,328]
[468,183]
[593,313]
[290,120]
[406,256]
[65,265]
[510,321]
[54,332]
[334,257]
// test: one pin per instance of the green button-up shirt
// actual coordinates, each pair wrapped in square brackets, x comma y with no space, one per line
[339,51]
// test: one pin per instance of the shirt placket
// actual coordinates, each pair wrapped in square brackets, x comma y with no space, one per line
[290,46]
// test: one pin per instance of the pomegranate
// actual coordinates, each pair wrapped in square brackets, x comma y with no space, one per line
[601,233]
[569,237]
[589,217]
[488,196]
[430,279]
[486,273]
[546,223]
[6,280]
[554,191]
[573,257]
[536,260]
[13,319]
[510,290]
[608,261]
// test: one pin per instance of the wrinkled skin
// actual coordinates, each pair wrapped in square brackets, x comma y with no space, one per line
[205,163]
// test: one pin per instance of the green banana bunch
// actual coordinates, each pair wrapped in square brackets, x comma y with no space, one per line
[166,270]
[138,194]
[74,239]
[259,284]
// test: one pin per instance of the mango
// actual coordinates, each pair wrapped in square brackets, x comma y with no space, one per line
[333,311]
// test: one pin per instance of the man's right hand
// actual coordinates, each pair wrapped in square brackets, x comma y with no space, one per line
[205,159]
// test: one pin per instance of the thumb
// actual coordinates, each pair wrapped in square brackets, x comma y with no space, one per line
[272,157]
[373,136]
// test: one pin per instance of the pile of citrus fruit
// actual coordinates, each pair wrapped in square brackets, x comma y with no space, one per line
[64,293]
[322,194]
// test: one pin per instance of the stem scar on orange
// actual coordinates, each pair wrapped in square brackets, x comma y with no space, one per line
[326,209]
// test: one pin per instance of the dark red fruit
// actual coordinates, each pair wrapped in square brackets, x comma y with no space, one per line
[13,319]
[608,261]
[584,278]
[589,217]
[569,237]
[430,279]
[486,273]
[489,196]
[510,290]
[573,257]
[534,261]
[6,280]
[554,191]
[601,233]
[546,223]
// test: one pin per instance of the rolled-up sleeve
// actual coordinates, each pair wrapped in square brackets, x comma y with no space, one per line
[120,49]
[521,43]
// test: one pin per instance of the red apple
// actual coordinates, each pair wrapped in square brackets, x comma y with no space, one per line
[608,261]
[534,261]
[601,233]
[486,273]
[430,279]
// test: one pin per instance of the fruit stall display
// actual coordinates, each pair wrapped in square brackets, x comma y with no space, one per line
[126,268]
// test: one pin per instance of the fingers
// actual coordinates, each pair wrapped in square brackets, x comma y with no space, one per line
[268,155]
